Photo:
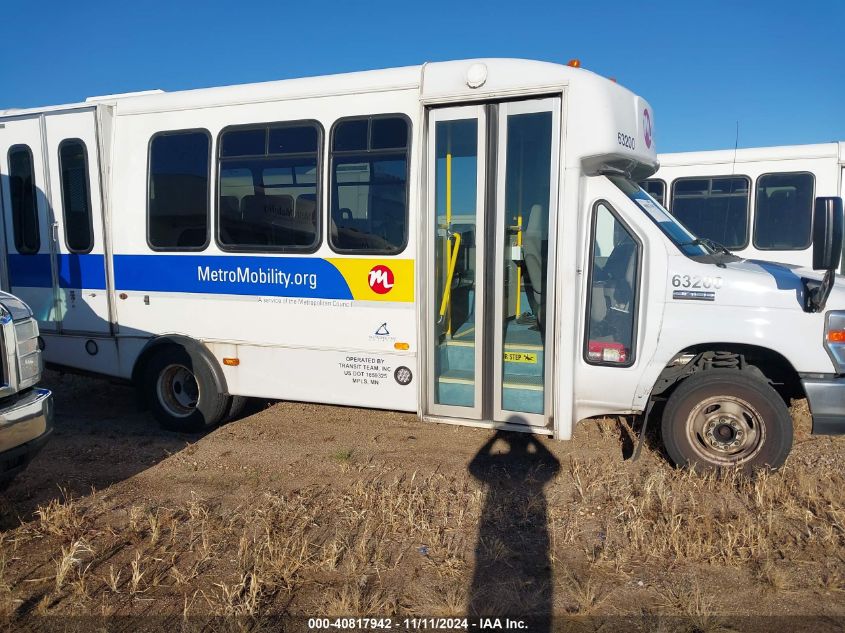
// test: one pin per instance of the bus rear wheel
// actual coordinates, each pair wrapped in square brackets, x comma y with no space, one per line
[181,391]
[725,418]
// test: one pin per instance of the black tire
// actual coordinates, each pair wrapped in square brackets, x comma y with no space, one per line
[236,407]
[181,391]
[723,418]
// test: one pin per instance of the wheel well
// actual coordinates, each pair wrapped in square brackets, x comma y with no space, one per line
[194,348]
[763,361]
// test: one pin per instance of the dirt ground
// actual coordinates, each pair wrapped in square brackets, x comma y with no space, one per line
[305,510]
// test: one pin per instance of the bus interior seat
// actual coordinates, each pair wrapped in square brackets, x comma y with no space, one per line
[253,225]
[611,298]
[598,305]
[344,215]
[264,208]
[279,205]
[620,269]
[343,232]
[304,208]
[333,231]
[252,207]
[533,238]
[342,222]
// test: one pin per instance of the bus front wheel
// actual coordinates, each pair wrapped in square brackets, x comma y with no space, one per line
[723,418]
[181,391]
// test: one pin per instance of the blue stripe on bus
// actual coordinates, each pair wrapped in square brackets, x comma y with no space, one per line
[302,277]
[75,271]
[82,271]
[30,271]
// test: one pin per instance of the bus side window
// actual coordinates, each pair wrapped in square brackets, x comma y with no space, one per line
[784,211]
[267,192]
[369,199]
[613,290]
[24,206]
[177,213]
[76,196]
[715,208]
[656,188]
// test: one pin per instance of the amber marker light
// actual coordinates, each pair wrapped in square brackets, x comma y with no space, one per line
[232,362]
[574,63]
[836,336]
[401,346]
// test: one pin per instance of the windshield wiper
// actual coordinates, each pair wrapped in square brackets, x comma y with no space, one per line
[713,245]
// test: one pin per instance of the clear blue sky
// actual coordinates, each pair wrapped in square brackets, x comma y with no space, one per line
[776,67]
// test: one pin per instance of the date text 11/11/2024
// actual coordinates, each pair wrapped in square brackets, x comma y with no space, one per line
[418,624]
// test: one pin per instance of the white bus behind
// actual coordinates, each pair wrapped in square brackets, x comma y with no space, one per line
[758,202]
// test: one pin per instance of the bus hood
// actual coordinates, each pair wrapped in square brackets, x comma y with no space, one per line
[746,283]
[763,284]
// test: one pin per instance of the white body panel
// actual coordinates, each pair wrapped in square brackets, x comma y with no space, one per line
[83,304]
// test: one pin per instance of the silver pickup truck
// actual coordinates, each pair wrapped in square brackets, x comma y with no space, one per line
[26,412]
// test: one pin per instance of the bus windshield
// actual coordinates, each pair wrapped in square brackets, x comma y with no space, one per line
[686,242]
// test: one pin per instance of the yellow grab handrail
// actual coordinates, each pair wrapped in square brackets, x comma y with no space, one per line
[452,259]
[448,189]
[518,268]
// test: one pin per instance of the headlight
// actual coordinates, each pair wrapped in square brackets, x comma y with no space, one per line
[30,366]
[26,330]
[28,346]
[29,356]
[834,339]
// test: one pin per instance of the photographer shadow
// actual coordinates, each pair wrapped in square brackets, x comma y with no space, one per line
[513,574]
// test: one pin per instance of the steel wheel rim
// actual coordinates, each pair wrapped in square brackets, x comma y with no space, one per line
[178,391]
[725,430]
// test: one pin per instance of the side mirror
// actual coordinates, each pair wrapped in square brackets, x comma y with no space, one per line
[828,223]
[827,250]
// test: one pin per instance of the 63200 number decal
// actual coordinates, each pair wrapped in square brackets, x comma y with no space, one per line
[694,281]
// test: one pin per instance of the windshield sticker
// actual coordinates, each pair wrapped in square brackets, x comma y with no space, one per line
[653,209]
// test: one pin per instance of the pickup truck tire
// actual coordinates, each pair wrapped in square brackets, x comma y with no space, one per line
[723,418]
[181,392]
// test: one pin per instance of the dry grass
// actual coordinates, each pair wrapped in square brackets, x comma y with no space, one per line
[71,560]
[587,593]
[729,519]
[270,546]
[5,589]
[113,580]
[380,540]
[61,518]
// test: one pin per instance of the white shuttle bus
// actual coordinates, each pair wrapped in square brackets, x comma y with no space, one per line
[757,202]
[464,240]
